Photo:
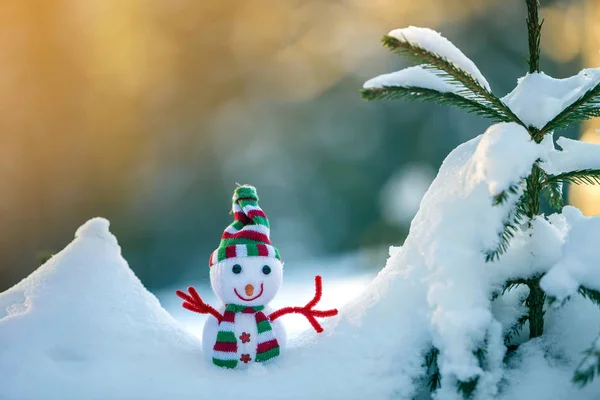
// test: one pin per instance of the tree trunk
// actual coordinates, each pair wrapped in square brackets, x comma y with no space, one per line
[535,303]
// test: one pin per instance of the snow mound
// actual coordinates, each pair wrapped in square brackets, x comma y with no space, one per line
[575,155]
[83,326]
[413,76]
[538,98]
[96,227]
[431,40]
[574,268]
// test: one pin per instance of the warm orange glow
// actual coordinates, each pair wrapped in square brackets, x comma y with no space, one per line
[562,32]
[587,197]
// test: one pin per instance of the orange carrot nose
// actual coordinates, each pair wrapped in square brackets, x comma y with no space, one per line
[249,290]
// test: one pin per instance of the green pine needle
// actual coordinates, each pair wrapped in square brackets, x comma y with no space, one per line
[590,294]
[552,191]
[501,197]
[467,388]
[448,71]
[579,177]
[414,93]
[589,367]
[515,329]
[511,226]
[582,109]
[513,283]
[432,369]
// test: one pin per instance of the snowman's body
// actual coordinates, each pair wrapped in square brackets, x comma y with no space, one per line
[248,281]
[244,327]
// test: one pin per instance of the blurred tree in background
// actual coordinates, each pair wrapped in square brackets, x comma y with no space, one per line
[149,112]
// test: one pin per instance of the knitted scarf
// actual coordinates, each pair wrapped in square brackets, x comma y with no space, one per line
[225,349]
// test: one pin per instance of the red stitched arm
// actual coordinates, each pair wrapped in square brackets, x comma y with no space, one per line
[194,303]
[307,310]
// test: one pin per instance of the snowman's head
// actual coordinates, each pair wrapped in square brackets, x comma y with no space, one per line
[246,269]
[251,281]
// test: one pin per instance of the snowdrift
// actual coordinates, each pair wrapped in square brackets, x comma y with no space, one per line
[83,326]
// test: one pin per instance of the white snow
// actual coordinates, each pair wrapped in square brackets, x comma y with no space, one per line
[412,76]
[542,368]
[575,155]
[505,154]
[83,326]
[538,98]
[431,40]
[575,266]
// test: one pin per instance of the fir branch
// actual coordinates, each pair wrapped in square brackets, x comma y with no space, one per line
[582,109]
[501,197]
[579,177]
[467,388]
[589,367]
[513,283]
[534,32]
[590,294]
[552,191]
[515,329]
[454,75]
[415,93]
[433,370]
[511,226]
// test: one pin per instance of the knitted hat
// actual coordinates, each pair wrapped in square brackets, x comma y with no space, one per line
[249,233]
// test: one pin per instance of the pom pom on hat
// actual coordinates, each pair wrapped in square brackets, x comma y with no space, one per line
[249,233]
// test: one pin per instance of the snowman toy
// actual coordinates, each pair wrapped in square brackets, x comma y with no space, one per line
[246,273]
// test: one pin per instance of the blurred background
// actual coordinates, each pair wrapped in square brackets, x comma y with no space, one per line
[148,112]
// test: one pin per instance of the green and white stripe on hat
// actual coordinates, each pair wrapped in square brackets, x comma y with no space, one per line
[249,233]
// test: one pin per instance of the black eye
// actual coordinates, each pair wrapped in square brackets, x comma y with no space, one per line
[236,269]
[266,270]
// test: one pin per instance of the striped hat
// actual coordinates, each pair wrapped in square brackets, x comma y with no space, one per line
[249,233]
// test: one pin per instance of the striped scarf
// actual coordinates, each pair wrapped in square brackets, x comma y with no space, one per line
[225,349]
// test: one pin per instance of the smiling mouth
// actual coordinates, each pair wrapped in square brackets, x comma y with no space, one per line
[251,298]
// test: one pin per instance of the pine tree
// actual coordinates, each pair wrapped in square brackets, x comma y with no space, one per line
[471,96]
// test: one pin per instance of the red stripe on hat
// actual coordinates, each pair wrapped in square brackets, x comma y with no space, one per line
[228,316]
[230,252]
[247,234]
[266,346]
[262,250]
[240,216]
[225,346]
[255,213]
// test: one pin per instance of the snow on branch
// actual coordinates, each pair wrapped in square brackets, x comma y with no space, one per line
[503,159]
[440,58]
[578,265]
[434,43]
[418,83]
[575,156]
[505,156]
[412,76]
[548,103]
